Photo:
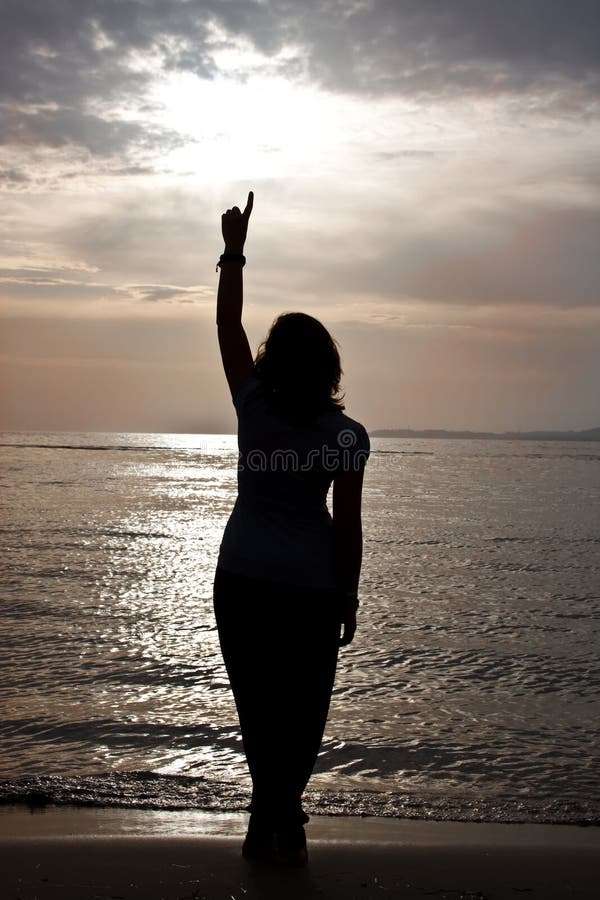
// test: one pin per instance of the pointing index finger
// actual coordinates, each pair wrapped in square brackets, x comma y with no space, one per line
[249,204]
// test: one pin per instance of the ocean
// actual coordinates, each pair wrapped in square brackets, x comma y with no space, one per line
[471,691]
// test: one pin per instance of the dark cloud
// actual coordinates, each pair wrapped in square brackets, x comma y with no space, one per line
[49,55]
[61,55]
[67,51]
[100,136]
[12,177]
[67,65]
[496,45]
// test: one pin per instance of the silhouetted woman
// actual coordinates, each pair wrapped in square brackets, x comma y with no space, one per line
[287,576]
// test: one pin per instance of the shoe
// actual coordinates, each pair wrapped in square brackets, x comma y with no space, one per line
[291,846]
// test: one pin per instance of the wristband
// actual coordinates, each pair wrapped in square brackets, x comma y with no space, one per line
[230,257]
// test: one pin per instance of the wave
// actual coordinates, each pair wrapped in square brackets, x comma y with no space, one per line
[155,791]
[128,447]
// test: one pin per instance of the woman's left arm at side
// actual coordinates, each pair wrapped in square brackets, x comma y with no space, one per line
[348,545]
[233,342]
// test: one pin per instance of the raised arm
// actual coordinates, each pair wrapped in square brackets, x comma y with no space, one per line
[233,343]
[348,544]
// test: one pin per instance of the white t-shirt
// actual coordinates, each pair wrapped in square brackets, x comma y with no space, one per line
[280,528]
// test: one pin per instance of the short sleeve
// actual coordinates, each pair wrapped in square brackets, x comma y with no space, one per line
[354,448]
[364,443]
[248,389]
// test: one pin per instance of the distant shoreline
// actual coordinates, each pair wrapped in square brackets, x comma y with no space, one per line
[589,434]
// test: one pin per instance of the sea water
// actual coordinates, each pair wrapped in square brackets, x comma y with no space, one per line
[471,691]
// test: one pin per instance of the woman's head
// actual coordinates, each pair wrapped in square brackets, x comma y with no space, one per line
[300,366]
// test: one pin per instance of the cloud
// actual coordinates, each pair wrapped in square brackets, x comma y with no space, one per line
[545,258]
[66,54]
[77,72]
[100,136]
[167,293]
[141,236]
[423,46]
[43,285]
[551,259]
[13,177]
[433,194]
[77,76]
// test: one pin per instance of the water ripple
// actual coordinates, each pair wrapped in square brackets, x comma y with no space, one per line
[475,672]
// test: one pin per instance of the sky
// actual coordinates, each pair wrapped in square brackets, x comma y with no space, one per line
[427,183]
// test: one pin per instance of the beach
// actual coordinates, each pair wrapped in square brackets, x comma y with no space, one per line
[69,852]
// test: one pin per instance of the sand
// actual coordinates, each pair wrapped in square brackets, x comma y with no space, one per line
[62,852]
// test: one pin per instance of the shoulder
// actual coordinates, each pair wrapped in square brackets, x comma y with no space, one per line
[349,438]
[348,431]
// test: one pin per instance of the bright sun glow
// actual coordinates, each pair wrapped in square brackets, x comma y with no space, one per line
[263,127]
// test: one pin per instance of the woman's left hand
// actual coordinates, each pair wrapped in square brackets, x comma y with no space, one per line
[234,225]
[349,623]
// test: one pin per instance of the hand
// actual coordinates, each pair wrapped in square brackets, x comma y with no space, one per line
[234,225]
[349,623]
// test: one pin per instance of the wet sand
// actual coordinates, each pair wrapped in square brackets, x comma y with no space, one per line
[107,854]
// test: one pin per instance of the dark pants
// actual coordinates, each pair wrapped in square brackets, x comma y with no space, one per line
[280,647]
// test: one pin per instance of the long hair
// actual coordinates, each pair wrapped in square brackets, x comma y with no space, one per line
[299,365]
